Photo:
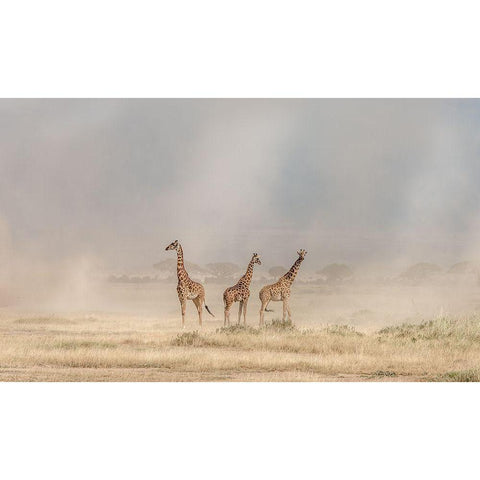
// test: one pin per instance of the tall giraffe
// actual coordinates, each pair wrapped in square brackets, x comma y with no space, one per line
[187,289]
[280,291]
[240,293]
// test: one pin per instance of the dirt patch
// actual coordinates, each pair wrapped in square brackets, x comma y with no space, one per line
[164,375]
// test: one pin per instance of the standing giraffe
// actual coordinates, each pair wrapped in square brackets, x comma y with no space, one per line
[281,289]
[187,289]
[240,293]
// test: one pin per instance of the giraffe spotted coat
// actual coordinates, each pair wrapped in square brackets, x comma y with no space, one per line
[280,291]
[187,289]
[240,293]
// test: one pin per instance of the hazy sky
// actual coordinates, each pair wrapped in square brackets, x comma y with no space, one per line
[349,180]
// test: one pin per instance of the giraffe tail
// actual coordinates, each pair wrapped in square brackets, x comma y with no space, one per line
[208,310]
[268,310]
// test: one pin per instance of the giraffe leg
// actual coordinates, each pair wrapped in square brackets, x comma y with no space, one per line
[240,308]
[183,305]
[262,311]
[226,318]
[228,306]
[284,310]
[245,312]
[199,304]
[289,312]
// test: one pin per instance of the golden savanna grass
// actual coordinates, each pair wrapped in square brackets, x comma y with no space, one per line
[123,348]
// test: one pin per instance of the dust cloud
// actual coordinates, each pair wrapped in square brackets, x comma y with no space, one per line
[91,192]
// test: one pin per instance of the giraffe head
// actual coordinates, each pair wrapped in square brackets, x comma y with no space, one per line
[302,253]
[256,259]
[173,245]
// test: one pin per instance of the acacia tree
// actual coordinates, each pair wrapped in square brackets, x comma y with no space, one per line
[223,269]
[421,271]
[170,266]
[336,272]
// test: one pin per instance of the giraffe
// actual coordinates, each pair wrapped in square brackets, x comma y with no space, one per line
[281,289]
[187,289]
[240,293]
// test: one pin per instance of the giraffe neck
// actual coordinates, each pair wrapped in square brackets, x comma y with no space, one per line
[181,272]
[292,273]
[247,278]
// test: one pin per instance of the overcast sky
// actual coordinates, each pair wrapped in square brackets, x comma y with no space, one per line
[349,180]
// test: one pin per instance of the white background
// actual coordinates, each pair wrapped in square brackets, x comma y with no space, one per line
[241,49]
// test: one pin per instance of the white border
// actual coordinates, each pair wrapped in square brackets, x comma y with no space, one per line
[254,48]
[249,49]
[238,431]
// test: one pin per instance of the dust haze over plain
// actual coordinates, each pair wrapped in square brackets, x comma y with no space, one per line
[109,183]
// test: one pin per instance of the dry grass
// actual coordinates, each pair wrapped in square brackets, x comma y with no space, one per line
[44,321]
[130,349]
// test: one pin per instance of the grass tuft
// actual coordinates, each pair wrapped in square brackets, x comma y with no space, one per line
[84,344]
[343,330]
[188,339]
[237,329]
[384,373]
[461,329]
[472,375]
[280,325]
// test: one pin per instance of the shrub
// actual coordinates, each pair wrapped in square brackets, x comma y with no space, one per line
[237,329]
[280,325]
[188,339]
[343,330]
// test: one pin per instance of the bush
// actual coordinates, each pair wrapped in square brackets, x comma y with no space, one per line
[280,325]
[420,272]
[343,330]
[188,339]
[237,329]
[336,273]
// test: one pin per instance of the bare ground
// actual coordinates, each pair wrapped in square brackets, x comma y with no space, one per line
[54,374]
